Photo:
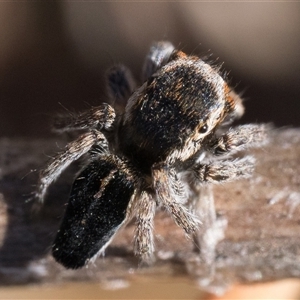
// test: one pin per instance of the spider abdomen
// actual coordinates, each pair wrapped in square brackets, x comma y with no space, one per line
[97,207]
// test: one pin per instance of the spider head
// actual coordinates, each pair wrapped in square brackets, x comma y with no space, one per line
[199,91]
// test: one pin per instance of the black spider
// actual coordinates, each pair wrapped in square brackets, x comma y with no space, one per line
[159,143]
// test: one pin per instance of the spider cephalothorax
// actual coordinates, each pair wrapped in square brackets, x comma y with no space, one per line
[152,149]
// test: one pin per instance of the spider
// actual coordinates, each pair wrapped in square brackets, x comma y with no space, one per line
[159,142]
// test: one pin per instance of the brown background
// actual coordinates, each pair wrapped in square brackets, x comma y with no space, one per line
[54,55]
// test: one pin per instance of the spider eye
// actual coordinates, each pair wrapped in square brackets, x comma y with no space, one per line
[203,129]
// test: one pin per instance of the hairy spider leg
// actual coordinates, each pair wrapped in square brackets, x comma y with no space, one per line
[77,148]
[143,238]
[158,55]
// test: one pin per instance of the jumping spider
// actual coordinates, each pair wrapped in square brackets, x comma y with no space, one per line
[158,144]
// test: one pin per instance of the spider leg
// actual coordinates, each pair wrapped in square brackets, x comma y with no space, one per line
[144,244]
[210,233]
[100,117]
[120,85]
[202,199]
[239,107]
[169,192]
[212,230]
[238,138]
[158,55]
[237,111]
[218,171]
[73,151]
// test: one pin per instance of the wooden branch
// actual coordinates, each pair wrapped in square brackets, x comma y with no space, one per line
[261,242]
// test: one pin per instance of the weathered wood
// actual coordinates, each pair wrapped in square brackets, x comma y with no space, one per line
[262,236]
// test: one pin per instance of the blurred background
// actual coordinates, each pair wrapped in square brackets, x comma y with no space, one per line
[54,55]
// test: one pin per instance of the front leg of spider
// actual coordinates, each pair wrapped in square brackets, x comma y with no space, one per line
[97,119]
[170,193]
[215,172]
[239,138]
[143,238]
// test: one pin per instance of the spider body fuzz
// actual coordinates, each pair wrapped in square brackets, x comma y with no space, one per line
[153,147]
[169,115]
[91,217]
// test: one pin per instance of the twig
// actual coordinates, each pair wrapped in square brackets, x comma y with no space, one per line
[261,243]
